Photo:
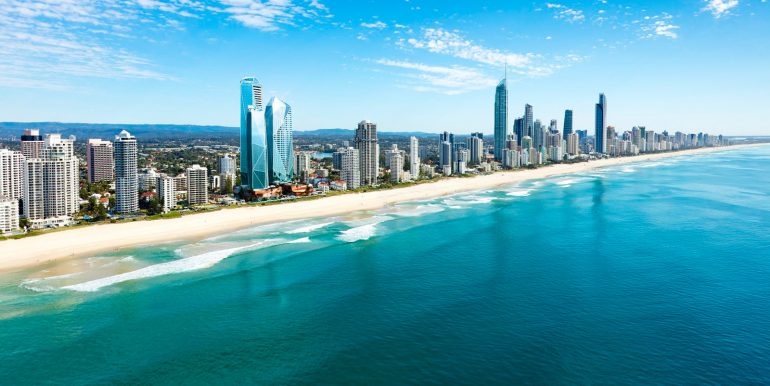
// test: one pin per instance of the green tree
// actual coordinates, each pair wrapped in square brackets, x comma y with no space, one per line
[228,186]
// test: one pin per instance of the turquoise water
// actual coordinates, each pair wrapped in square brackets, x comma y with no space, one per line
[647,273]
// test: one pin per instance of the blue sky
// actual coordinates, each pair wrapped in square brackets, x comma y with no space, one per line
[407,65]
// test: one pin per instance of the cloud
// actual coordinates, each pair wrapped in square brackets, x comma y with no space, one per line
[377,25]
[451,43]
[441,79]
[719,8]
[659,26]
[441,41]
[565,13]
[270,15]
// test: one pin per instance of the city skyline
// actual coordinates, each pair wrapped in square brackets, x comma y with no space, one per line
[174,62]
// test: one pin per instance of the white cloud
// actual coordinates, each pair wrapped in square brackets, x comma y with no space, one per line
[377,25]
[270,15]
[445,80]
[659,26]
[719,8]
[441,41]
[565,13]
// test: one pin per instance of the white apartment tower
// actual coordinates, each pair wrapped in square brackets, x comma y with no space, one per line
[9,214]
[126,176]
[349,168]
[396,166]
[167,192]
[11,172]
[414,158]
[197,185]
[51,183]
[99,160]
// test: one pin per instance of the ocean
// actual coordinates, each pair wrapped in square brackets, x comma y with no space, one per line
[655,272]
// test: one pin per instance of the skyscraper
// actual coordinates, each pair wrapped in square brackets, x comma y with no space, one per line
[31,143]
[501,117]
[51,183]
[476,147]
[445,149]
[529,121]
[11,174]
[254,152]
[518,129]
[414,158]
[366,143]
[126,177]
[567,123]
[396,166]
[99,160]
[280,160]
[197,185]
[601,125]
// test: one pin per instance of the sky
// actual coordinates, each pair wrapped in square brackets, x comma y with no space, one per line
[408,65]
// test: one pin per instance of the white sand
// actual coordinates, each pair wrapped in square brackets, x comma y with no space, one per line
[108,237]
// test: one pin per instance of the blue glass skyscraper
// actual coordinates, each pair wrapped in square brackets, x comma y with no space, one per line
[601,125]
[567,123]
[253,136]
[280,161]
[501,118]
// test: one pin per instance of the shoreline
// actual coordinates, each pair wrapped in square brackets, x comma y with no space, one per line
[83,241]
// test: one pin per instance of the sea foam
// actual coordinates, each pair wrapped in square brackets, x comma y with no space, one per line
[202,261]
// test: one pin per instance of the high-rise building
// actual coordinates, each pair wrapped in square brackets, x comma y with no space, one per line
[396,166]
[368,152]
[445,148]
[501,117]
[350,167]
[526,143]
[573,147]
[11,174]
[254,151]
[51,183]
[9,214]
[99,160]
[227,168]
[280,160]
[518,129]
[529,121]
[476,148]
[166,192]
[197,185]
[538,134]
[302,165]
[31,143]
[601,125]
[126,175]
[567,123]
[414,158]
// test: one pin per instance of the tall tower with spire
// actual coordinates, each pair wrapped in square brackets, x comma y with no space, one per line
[501,115]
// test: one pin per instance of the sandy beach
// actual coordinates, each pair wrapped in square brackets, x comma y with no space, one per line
[109,237]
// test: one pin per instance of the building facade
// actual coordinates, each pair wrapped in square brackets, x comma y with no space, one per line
[280,149]
[501,117]
[126,173]
[197,185]
[350,164]
[31,143]
[167,192]
[368,152]
[414,158]
[99,160]
[254,153]
[11,174]
[567,123]
[51,183]
[601,125]
[9,214]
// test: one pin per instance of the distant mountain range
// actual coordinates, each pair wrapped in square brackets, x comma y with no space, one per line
[106,131]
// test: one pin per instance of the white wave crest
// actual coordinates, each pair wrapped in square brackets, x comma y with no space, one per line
[419,211]
[363,232]
[201,261]
[300,241]
[309,228]
[520,193]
